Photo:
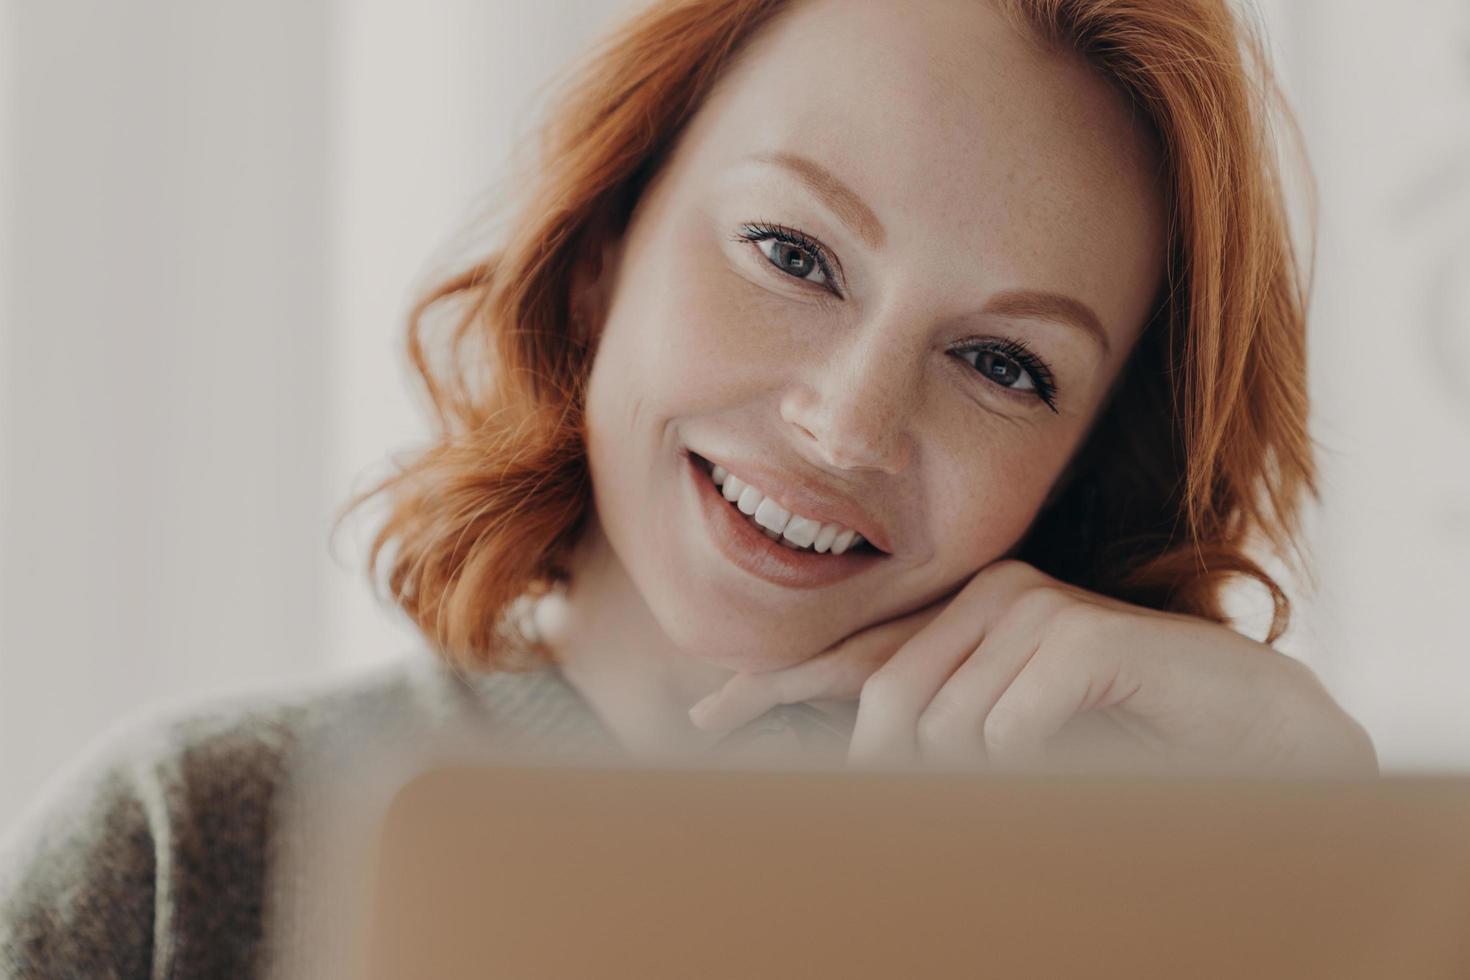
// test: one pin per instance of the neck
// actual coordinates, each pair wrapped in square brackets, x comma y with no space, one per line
[609,647]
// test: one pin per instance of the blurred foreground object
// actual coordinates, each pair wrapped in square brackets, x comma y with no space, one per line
[573,871]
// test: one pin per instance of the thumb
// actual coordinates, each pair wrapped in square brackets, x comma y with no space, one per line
[746,697]
[836,673]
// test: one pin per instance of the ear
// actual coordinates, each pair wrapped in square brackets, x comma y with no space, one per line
[592,289]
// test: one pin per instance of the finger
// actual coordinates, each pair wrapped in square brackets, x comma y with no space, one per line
[1101,741]
[746,697]
[951,729]
[836,673]
[898,692]
[1060,681]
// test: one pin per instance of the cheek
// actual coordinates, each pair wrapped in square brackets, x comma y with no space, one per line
[677,343]
[982,508]
[697,333]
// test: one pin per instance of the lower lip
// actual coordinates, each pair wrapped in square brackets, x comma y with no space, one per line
[746,546]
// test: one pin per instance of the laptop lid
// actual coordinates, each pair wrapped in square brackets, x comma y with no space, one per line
[564,871]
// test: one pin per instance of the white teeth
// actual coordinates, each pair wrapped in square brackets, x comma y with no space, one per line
[778,523]
[802,530]
[772,515]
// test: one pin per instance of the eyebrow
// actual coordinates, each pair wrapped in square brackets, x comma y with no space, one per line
[1034,304]
[1031,304]
[843,200]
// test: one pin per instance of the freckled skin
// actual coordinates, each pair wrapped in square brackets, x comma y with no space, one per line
[992,166]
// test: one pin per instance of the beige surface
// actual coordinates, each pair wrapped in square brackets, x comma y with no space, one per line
[592,872]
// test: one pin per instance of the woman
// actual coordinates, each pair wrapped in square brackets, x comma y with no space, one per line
[915,374]
[976,281]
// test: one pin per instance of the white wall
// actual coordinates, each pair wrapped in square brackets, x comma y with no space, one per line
[212,219]
[1383,95]
[430,99]
[163,415]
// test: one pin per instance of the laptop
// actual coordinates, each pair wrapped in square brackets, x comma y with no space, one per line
[498,869]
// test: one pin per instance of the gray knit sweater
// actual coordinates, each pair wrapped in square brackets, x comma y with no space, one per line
[174,847]
[151,856]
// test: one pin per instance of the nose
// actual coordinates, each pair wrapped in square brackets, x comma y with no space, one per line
[853,409]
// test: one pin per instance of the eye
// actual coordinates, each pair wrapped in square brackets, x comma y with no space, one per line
[793,252]
[1013,366]
[1003,371]
[790,259]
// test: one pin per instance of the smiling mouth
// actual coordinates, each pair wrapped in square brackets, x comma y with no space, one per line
[862,546]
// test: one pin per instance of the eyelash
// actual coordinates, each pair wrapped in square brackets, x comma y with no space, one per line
[1015,350]
[1024,357]
[761,231]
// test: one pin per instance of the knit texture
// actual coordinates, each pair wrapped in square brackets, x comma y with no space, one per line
[198,841]
[163,850]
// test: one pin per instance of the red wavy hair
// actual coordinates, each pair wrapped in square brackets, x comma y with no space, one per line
[1201,454]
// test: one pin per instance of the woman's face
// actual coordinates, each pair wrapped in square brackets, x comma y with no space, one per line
[973,235]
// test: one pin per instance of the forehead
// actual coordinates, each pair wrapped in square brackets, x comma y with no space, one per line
[955,129]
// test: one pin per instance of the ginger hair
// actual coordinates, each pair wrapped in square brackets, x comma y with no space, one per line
[1200,455]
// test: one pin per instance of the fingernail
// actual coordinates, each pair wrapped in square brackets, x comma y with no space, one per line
[699,714]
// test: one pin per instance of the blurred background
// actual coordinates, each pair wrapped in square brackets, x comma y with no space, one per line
[213,217]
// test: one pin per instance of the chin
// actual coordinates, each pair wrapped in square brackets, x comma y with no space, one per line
[722,631]
[745,651]
[752,661]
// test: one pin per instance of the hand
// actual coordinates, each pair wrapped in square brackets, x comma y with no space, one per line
[1017,670]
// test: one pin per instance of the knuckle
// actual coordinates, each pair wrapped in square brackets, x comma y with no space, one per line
[1009,570]
[1075,623]
[1302,673]
[881,687]
[1001,730]
[1367,751]
[945,722]
[1036,604]
[1301,683]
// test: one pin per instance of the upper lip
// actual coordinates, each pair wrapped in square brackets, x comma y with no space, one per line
[807,497]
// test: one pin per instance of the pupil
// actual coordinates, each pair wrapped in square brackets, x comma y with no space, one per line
[1002,370]
[793,258]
